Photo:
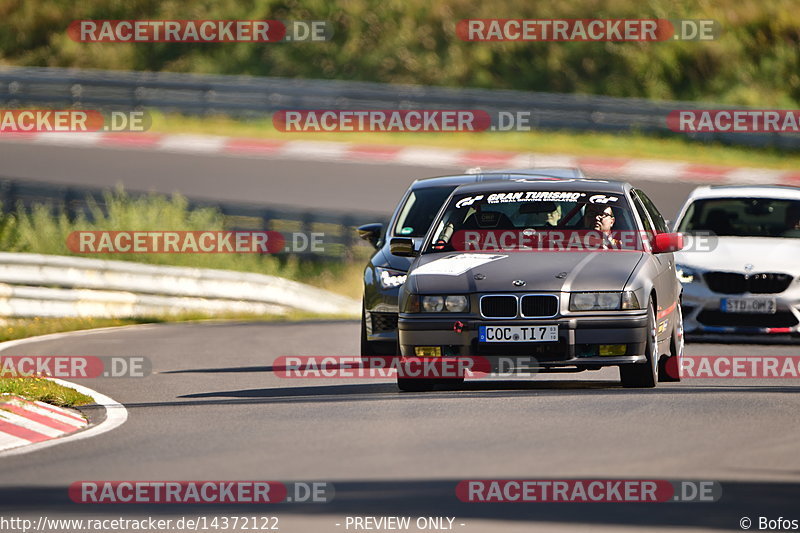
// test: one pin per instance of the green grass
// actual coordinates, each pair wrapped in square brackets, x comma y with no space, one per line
[40,231]
[754,60]
[547,142]
[22,328]
[43,390]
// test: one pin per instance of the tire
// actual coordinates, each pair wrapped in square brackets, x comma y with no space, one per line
[644,375]
[426,384]
[670,371]
[415,385]
[412,384]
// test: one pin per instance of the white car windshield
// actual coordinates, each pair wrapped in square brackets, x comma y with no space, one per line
[743,217]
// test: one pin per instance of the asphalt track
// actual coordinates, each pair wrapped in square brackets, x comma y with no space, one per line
[343,186]
[214,409]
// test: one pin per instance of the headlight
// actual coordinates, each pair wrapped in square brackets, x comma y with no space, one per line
[603,301]
[442,304]
[432,304]
[390,278]
[686,274]
[456,304]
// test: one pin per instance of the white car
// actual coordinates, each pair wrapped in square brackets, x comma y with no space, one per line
[748,280]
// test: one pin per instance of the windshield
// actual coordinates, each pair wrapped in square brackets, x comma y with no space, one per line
[419,211]
[744,217]
[526,220]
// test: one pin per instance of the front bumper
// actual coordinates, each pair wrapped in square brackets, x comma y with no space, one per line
[577,338]
[702,313]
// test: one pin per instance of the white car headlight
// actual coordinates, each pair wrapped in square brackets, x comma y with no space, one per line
[390,278]
[686,274]
[603,301]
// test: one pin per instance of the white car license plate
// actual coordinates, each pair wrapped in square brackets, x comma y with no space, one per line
[766,306]
[517,333]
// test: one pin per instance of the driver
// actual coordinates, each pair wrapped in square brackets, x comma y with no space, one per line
[553,217]
[792,220]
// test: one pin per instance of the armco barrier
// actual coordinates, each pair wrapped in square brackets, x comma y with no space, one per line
[59,286]
[258,96]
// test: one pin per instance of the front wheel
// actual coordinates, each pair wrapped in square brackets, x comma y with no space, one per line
[670,370]
[644,375]
[425,384]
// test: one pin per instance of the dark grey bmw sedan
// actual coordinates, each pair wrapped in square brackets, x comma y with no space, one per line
[386,272]
[572,274]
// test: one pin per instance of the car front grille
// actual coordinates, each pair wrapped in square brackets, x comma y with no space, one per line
[732,283]
[383,322]
[539,305]
[781,319]
[499,306]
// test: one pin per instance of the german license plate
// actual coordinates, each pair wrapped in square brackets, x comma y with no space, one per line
[766,306]
[517,333]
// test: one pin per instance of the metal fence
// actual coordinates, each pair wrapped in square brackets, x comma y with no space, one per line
[340,241]
[259,96]
[54,286]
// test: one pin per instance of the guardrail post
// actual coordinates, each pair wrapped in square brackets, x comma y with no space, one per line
[307,225]
[348,234]
[7,196]
[70,198]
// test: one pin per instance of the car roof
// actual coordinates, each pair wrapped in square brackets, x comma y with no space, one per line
[746,191]
[555,184]
[478,175]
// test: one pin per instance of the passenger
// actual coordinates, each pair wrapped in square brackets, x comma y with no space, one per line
[600,218]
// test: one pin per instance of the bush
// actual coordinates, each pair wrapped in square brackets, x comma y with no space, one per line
[754,62]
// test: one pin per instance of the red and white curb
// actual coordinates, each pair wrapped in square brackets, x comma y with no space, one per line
[626,168]
[115,412]
[25,422]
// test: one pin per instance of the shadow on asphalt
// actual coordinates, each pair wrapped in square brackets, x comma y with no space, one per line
[766,340]
[437,498]
[474,389]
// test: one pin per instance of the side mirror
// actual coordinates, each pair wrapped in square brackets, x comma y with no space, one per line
[403,247]
[371,232]
[667,242]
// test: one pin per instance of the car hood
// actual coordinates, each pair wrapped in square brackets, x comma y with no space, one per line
[541,271]
[733,253]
